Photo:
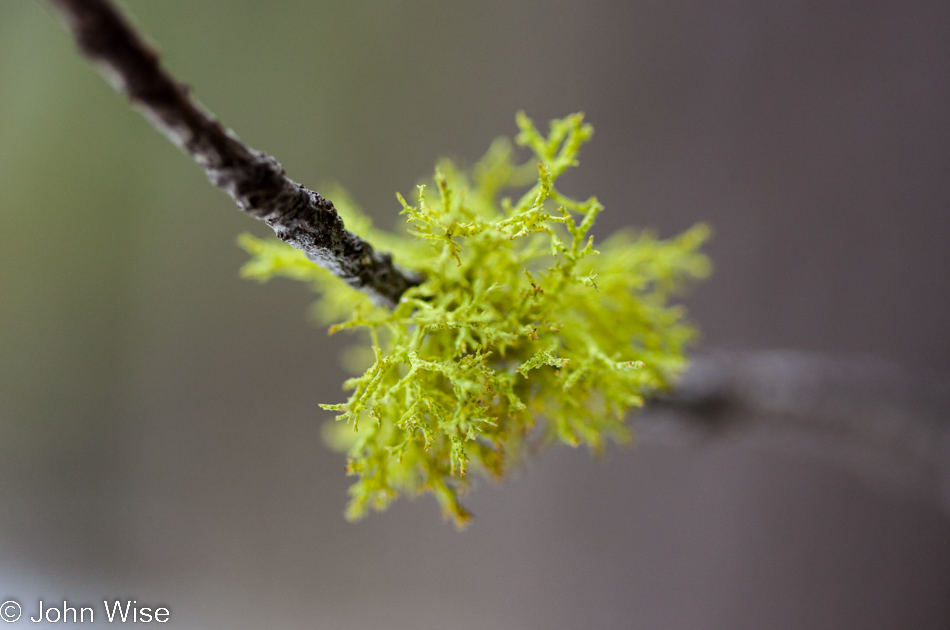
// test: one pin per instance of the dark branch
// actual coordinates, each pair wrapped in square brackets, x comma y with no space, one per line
[255,180]
[889,426]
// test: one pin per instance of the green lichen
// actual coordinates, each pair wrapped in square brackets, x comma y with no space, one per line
[522,335]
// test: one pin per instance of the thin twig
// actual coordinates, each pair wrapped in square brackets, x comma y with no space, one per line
[255,180]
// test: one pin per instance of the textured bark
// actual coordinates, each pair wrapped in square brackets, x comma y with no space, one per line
[255,180]
[890,427]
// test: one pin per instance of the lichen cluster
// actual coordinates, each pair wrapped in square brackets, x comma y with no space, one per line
[522,335]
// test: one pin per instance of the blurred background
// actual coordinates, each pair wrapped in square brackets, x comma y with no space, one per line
[159,428]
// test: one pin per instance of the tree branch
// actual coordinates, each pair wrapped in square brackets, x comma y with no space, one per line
[255,180]
[889,426]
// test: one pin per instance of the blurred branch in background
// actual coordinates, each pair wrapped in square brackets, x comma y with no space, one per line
[889,426]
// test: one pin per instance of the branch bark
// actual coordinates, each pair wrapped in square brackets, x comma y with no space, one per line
[255,180]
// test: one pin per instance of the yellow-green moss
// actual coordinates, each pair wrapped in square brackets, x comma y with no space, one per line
[523,333]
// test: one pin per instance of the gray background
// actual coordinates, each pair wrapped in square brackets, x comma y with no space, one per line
[159,429]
